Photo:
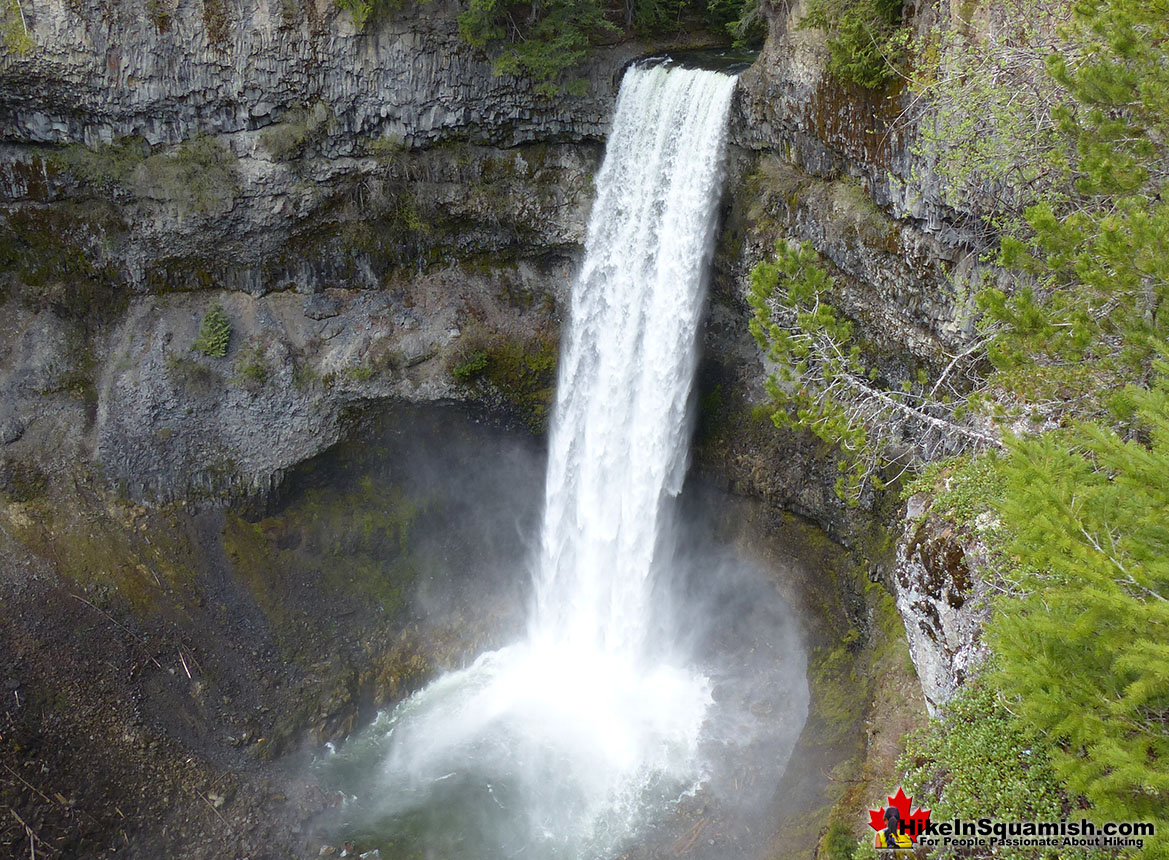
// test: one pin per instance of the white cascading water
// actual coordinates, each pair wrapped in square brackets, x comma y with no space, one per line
[619,442]
[582,730]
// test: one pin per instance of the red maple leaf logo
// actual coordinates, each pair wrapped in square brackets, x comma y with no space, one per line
[911,824]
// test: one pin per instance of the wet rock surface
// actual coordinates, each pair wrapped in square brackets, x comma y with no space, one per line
[169,675]
[104,71]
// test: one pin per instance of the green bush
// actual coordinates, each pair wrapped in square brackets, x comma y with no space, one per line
[365,10]
[360,372]
[979,759]
[106,166]
[866,43]
[214,333]
[14,31]
[963,487]
[471,367]
[297,127]
[198,176]
[839,843]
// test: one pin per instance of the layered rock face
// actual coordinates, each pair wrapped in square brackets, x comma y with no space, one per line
[374,293]
[276,123]
[169,71]
[372,212]
[253,155]
[834,164]
[840,166]
[373,207]
[943,597]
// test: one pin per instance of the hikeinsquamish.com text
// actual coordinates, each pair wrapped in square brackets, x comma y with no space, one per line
[989,832]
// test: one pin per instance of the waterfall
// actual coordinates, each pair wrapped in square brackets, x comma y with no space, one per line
[619,437]
[563,744]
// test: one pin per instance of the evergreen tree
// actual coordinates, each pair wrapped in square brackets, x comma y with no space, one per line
[1084,644]
[1092,319]
[824,384]
[1084,647]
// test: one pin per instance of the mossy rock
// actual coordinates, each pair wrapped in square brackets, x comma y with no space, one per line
[54,258]
[522,371]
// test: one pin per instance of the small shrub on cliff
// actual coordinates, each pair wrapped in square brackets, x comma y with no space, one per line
[196,177]
[471,367]
[161,14]
[824,385]
[521,371]
[214,333]
[251,368]
[363,11]
[296,128]
[866,43]
[216,21]
[14,29]
[106,166]
[963,487]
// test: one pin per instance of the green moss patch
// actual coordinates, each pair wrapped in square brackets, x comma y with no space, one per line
[53,257]
[522,371]
[117,553]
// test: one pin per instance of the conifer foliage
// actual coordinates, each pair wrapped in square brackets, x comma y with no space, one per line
[1083,642]
[1084,647]
[1093,319]
[824,384]
[1077,330]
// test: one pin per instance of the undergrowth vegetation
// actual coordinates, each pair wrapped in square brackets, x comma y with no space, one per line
[548,41]
[522,371]
[196,177]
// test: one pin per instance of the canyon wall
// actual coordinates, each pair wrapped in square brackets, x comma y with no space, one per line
[368,207]
[379,217]
[372,208]
[820,160]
